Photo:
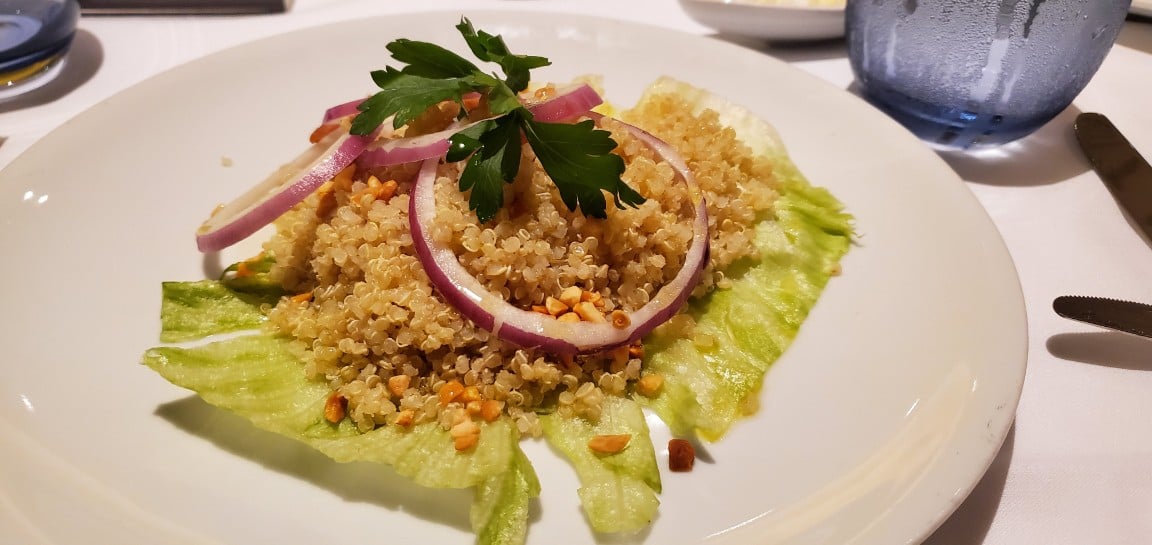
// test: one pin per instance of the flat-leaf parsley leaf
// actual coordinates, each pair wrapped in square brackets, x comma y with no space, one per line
[577,156]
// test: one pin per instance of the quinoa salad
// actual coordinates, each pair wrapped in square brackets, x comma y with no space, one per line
[461,262]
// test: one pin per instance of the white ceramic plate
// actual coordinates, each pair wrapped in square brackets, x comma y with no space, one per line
[873,426]
[1141,7]
[784,20]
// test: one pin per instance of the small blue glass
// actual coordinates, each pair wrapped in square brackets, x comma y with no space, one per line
[34,37]
[964,74]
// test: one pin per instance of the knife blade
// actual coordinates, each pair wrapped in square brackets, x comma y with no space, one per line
[1124,171]
[1126,316]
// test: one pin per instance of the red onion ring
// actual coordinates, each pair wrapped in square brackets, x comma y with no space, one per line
[409,150]
[281,191]
[342,110]
[570,102]
[532,329]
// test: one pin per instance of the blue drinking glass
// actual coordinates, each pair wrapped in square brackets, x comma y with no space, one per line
[34,37]
[966,74]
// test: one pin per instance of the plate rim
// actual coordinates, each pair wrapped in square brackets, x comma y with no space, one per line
[1022,357]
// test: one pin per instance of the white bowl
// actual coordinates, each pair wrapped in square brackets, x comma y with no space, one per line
[770,19]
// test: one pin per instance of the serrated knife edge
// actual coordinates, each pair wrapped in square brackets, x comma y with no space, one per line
[1127,316]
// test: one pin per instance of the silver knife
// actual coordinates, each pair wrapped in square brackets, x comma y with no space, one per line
[1126,173]
[1126,316]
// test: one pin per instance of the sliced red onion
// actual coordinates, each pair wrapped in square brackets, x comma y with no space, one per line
[570,102]
[532,329]
[280,191]
[340,111]
[409,150]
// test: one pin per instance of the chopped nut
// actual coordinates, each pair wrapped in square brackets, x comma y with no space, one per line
[335,408]
[473,407]
[609,444]
[322,131]
[405,417]
[593,297]
[242,270]
[681,455]
[571,296]
[450,391]
[649,385]
[620,319]
[588,312]
[465,427]
[470,393]
[397,384]
[620,356]
[541,309]
[387,190]
[636,350]
[302,297]
[554,306]
[465,442]
[568,317]
[490,409]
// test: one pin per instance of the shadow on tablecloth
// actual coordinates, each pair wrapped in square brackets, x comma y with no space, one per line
[1104,348]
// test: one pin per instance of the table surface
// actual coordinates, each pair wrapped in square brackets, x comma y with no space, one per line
[1077,466]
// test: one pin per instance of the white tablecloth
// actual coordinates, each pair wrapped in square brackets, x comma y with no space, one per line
[1077,468]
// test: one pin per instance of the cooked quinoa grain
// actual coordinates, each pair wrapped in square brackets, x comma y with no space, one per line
[374,328]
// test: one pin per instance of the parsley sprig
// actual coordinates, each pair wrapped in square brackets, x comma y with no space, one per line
[577,156]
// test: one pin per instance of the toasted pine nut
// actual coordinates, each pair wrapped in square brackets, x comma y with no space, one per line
[473,407]
[609,444]
[405,417]
[541,309]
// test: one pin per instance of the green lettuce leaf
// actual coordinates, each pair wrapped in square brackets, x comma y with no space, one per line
[260,378]
[500,509]
[706,389]
[618,491]
[194,310]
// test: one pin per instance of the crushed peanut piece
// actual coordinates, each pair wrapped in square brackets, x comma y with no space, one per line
[473,407]
[620,355]
[322,131]
[588,312]
[541,309]
[649,385]
[681,455]
[327,195]
[593,297]
[465,442]
[568,317]
[636,350]
[335,408]
[620,319]
[571,296]
[450,391]
[302,297]
[469,394]
[555,307]
[609,444]
[405,417]
[490,409]
[397,384]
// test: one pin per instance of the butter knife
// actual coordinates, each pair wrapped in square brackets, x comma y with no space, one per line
[1126,316]
[1124,171]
